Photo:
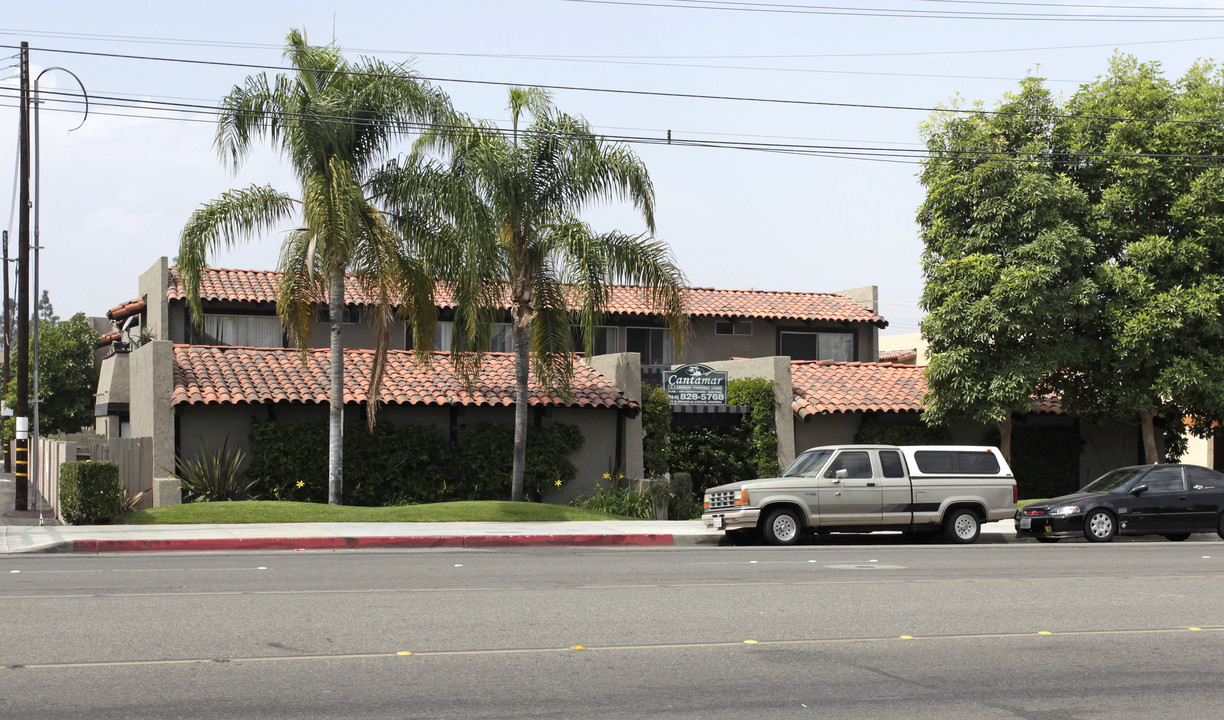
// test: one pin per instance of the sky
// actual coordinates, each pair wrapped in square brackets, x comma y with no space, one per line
[846,83]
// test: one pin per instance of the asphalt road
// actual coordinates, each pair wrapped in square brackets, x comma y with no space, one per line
[831,631]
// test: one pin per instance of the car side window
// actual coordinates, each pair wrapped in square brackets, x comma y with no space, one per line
[1200,478]
[890,463]
[1164,479]
[857,464]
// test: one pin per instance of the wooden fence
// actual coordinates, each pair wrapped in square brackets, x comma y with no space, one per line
[134,456]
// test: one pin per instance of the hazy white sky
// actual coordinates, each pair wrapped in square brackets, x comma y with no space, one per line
[117,191]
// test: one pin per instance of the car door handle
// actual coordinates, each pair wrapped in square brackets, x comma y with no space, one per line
[873,485]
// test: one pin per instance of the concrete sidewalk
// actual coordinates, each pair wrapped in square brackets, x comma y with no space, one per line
[20,532]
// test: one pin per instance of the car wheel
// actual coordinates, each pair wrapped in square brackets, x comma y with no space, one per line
[782,527]
[962,526]
[1046,539]
[1100,526]
[1177,537]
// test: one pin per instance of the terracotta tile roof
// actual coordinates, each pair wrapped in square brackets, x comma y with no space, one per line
[899,356]
[825,387]
[235,375]
[260,286]
[108,338]
[122,312]
[844,387]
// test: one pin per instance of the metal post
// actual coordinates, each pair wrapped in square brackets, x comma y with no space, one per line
[37,267]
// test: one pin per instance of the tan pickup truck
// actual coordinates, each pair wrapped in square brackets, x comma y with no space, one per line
[864,488]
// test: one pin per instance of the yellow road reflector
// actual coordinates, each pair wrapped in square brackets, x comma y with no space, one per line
[1045,632]
[577,647]
[403,652]
[907,637]
[750,642]
[1194,629]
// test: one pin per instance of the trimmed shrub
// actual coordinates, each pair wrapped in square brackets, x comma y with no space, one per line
[407,464]
[90,492]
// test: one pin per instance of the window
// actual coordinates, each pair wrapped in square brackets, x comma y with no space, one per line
[1203,479]
[501,338]
[653,344]
[732,327]
[890,463]
[351,316]
[243,330]
[816,345]
[957,462]
[856,463]
[1164,479]
[607,339]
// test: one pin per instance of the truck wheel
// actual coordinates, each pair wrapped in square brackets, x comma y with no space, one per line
[782,527]
[1100,526]
[962,526]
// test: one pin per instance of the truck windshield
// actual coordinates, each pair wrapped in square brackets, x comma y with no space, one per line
[809,464]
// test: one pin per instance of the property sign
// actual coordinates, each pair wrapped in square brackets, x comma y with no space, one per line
[695,385]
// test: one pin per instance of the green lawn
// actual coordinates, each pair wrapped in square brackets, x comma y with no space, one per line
[261,511]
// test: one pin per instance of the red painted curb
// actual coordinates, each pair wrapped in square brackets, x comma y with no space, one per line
[353,543]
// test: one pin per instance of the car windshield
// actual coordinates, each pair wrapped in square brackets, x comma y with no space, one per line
[1113,482]
[809,464]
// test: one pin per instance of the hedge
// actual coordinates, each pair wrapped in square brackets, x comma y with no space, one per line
[90,492]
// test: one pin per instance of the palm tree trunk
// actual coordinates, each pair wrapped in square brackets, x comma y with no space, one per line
[335,429]
[522,362]
[1149,438]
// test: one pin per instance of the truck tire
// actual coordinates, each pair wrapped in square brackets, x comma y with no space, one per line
[782,527]
[962,526]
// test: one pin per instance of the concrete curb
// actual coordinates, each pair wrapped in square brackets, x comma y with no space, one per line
[359,543]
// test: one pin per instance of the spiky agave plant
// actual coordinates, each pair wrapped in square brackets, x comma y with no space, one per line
[213,475]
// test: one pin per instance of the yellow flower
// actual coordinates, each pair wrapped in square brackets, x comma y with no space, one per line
[558,483]
[607,476]
[300,483]
[621,476]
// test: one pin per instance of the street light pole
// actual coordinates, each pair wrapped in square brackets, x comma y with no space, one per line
[38,267]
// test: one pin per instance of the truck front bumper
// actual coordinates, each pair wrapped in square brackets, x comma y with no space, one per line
[731,519]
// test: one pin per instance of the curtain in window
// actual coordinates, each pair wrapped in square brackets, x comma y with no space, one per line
[243,330]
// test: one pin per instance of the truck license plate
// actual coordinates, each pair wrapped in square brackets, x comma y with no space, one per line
[1026,523]
[715,522]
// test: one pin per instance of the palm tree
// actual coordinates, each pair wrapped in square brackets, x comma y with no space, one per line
[334,121]
[513,201]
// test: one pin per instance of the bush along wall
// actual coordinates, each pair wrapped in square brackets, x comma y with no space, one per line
[90,493]
[395,464]
[716,455]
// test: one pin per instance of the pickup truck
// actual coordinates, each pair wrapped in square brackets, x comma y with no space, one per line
[864,488]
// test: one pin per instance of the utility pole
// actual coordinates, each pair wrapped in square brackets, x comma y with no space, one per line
[21,459]
[8,458]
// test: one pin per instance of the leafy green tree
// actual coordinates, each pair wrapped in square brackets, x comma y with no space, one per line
[514,200]
[1006,266]
[67,377]
[334,120]
[1148,156]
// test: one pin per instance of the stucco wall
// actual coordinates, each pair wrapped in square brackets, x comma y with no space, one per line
[153,284]
[152,384]
[624,370]
[833,429]
[777,370]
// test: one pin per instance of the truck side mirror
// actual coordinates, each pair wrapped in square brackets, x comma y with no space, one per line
[842,474]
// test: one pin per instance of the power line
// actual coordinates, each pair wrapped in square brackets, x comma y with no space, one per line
[834,10]
[644,93]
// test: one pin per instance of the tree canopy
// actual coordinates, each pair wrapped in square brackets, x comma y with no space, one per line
[1078,248]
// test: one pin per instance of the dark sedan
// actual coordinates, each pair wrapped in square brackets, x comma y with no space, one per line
[1169,500]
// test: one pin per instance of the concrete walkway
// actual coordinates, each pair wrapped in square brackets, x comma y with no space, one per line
[21,533]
